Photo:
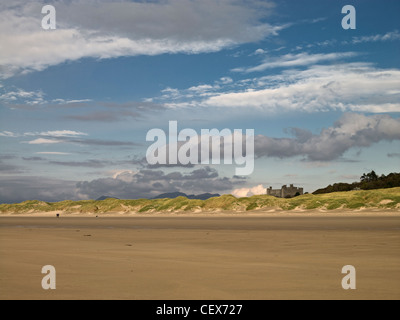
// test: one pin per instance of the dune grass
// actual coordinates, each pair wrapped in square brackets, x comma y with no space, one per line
[380,198]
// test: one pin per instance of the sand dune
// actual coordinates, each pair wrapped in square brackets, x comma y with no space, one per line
[380,199]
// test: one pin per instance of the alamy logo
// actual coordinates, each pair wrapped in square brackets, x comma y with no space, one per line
[188,147]
[49,280]
[349,20]
[349,281]
[49,20]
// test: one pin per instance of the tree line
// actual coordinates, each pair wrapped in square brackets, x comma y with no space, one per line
[368,181]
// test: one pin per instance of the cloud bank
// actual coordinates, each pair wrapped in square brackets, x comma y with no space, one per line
[108,29]
[150,183]
[345,87]
[351,131]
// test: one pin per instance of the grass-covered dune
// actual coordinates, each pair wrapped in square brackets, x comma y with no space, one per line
[351,200]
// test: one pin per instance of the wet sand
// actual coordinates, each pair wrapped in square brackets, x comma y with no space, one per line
[207,257]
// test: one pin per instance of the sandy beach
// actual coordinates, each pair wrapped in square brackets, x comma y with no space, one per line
[259,256]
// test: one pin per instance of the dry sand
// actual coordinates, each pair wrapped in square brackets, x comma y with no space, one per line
[204,257]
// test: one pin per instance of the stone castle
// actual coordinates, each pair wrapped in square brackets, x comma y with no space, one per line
[285,191]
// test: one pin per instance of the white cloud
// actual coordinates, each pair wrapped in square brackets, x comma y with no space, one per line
[55,134]
[376,108]
[46,137]
[389,36]
[225,80]
[201,90]
[53,153]
[20,95]
[345,87]
[260,51]
[294,60]
[123,175]
[8,134]
[63,101]
[248,192]
[59,133]
[17,97]
[104,29]
[42,141]
[356,87]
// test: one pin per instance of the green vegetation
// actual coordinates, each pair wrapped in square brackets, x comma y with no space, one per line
[381,198]
[368,181]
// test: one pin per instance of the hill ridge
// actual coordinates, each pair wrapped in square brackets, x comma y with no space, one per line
[173,195]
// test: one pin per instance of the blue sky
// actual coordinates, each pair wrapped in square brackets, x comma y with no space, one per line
[77,102]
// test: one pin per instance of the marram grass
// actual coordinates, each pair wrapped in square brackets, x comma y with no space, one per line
[369,199]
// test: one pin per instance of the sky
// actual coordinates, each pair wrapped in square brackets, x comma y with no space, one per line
[77,101]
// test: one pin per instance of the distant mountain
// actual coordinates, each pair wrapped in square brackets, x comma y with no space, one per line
[204,196]
[105,197]
[174,195]
[171,195]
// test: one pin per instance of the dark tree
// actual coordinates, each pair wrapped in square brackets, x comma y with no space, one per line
[372,176]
